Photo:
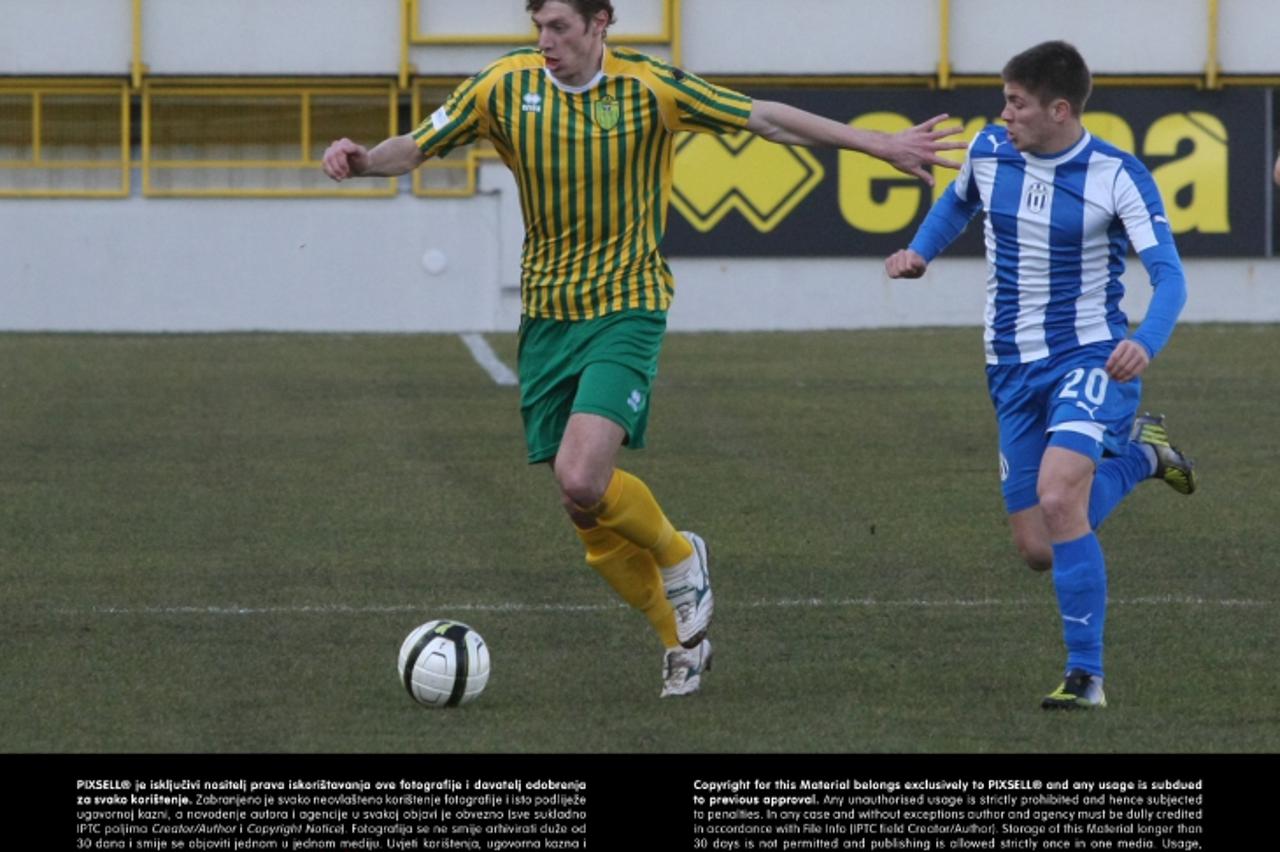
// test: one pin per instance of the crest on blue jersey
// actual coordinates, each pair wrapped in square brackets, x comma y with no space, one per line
[1036,197]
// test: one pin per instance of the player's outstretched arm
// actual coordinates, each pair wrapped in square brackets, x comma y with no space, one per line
[395,156]
[910,151]
[905,263]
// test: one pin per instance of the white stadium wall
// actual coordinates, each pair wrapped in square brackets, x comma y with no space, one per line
[406,264]
[328,37]
[335,37]
[162,264]
[1181,48]
[65,37]
[1249,31]
[280,37]
[414,264]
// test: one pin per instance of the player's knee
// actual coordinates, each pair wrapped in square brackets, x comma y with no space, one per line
[1060,508]
[578,497]
[580,488]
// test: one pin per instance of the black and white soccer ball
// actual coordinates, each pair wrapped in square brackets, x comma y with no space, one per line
[444,664]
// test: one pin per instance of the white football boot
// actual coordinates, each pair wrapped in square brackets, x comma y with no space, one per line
[688,587]
[682,669]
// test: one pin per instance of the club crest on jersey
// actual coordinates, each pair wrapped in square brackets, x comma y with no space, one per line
[606,112]
[532,102]
[1037,195]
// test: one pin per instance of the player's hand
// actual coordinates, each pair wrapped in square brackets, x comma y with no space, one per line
[916,147]
[344,159]
[905,264]
[1128,361]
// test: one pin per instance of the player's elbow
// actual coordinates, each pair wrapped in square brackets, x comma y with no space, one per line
[408,157]
[764,122]
[396,156]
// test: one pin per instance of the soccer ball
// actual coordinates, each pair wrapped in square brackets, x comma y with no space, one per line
[444,663]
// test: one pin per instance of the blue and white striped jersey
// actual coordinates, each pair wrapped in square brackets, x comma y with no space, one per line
[1057,231]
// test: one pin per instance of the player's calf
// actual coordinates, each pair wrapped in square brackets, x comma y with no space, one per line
[1038,558]
[1031,538]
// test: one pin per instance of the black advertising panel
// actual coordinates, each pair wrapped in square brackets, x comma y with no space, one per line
[742,196]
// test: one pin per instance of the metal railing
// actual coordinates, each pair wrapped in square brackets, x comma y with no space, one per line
[64,138]
[263,137]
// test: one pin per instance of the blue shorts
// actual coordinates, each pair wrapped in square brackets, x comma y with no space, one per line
[1065,400]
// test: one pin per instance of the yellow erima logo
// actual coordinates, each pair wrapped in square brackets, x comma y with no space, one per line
[762,181]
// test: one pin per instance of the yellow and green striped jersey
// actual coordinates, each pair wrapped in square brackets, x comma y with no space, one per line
[593,167]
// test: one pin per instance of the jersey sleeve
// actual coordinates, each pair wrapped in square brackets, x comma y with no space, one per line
[688,102]
[1139,207]
[951,214]
[461,120]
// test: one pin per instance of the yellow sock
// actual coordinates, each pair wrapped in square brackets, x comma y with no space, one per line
[633,574]
[600,543]
[630,510]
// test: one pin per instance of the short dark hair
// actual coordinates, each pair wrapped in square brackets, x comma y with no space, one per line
[1052,70]
[586,8]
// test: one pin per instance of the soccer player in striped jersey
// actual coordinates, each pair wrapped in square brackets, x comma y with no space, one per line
[1062,208]
[588,131]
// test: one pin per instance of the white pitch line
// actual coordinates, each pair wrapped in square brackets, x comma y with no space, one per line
[339,609]
[792,603]
[487,358]
[997,602]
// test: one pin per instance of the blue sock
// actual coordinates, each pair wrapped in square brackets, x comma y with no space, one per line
[1115,477]
[1080,579]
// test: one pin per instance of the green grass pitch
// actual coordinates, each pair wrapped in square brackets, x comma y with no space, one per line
[216,544]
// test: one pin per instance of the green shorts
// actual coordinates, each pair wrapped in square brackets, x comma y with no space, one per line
[603,366]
